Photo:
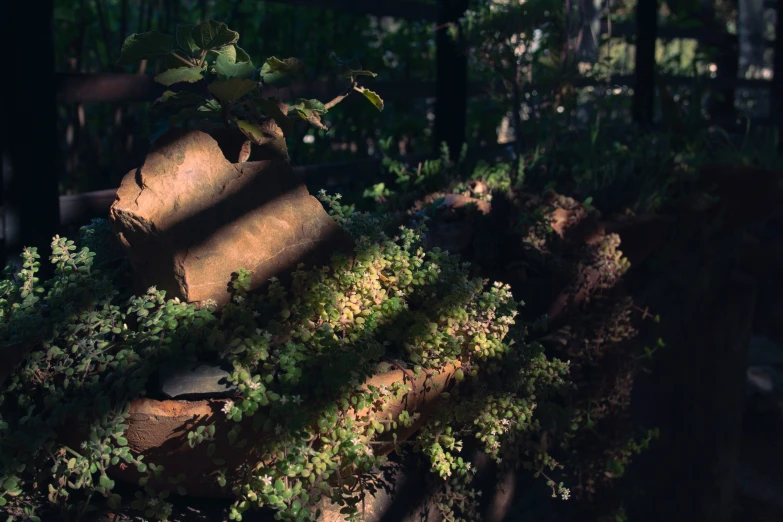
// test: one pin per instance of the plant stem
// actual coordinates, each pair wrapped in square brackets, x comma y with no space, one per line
[341,97]
[184,60]
[72,452]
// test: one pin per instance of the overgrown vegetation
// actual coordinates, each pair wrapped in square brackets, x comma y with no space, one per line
[300,355]
[89,363]
[550,395]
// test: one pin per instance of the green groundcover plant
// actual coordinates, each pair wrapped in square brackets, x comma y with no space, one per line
[300,355]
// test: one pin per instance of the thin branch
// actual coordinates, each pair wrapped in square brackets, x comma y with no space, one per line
[341,97]
[184,60]
[72,452]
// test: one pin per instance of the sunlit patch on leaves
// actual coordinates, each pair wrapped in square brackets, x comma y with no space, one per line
[253,132]
[241,55]
[374,98]
[180,74]
[233,62]
[227,68]
[310,111]
[280,73]
[229,53]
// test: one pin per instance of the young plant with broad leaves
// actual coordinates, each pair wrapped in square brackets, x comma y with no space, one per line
[212,82]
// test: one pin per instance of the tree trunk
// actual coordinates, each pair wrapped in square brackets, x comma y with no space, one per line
[776,96]
[751,35]
[590,31]
[451,89]
[724,51]
[646,36]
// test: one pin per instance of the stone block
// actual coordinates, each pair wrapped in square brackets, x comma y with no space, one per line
[188,218]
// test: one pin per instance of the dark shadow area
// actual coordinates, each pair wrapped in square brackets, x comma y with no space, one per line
[693,392]
[715,288]
[30,162]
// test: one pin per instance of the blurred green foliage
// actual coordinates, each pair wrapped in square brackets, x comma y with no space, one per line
[582,134]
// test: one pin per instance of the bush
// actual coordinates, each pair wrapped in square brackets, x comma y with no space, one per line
[93,349]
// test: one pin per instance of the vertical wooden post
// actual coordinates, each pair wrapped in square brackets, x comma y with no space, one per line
[5,116]
[29,149]
[451,87]
[724,50]
[776,93]
[727,59]
[646,36]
